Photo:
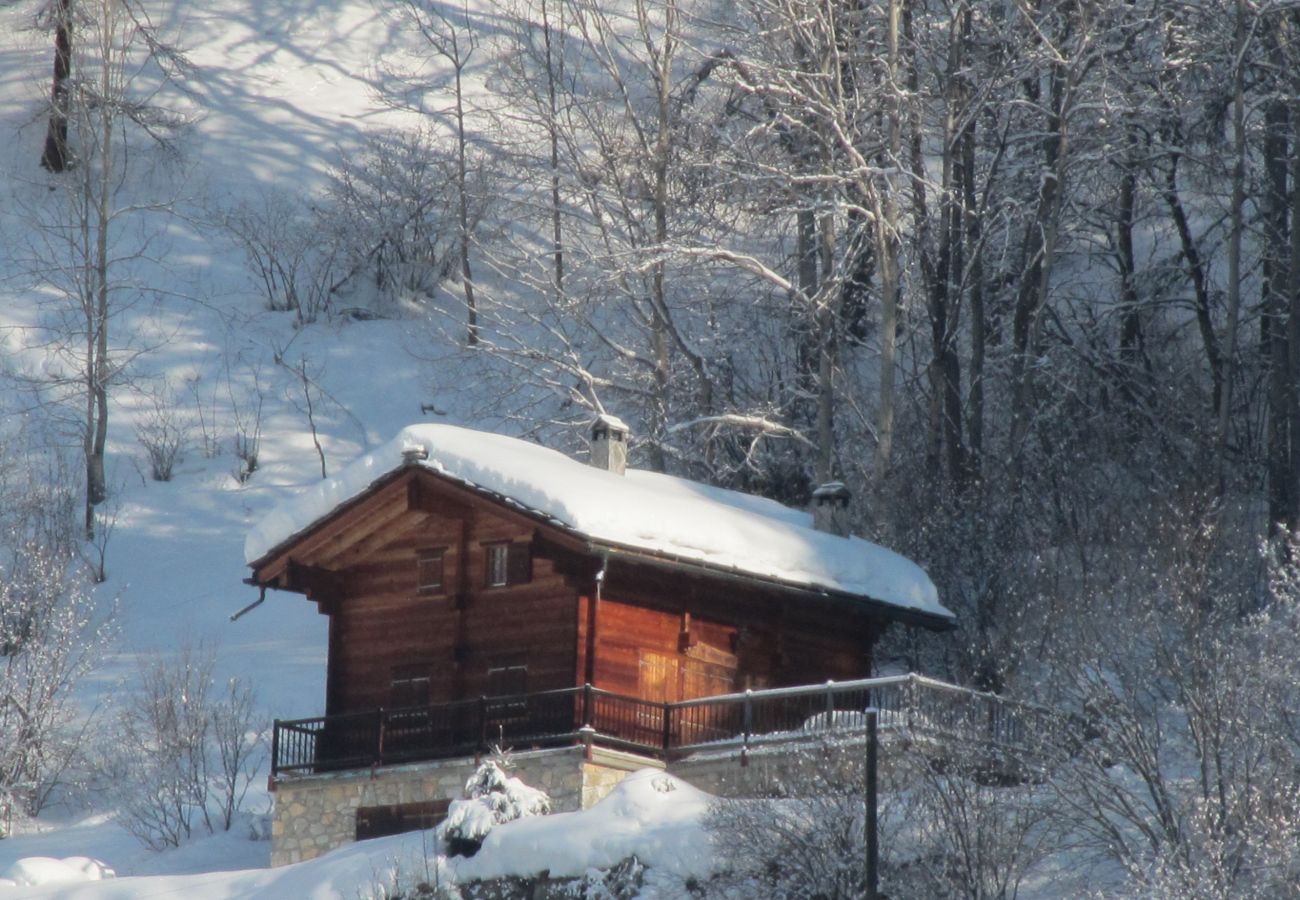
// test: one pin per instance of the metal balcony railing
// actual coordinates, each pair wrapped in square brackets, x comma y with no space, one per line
[914,704]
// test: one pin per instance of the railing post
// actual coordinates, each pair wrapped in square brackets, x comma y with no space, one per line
[275,748]
[910,693]
[668,725]
[830,704]
[873,805]
[586,705]
[382,724]
[482,723]
[746,726]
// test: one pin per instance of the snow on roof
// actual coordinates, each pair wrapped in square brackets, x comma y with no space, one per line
[642,511]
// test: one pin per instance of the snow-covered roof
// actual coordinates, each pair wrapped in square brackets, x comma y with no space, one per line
[640,511]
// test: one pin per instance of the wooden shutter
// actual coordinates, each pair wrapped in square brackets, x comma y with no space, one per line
[519,563]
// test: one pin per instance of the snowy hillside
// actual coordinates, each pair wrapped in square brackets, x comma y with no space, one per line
[283,93]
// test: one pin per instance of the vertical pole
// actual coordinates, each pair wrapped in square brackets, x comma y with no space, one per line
[873,836]
[747,726]
[668,727]
[482,723]
[275,748]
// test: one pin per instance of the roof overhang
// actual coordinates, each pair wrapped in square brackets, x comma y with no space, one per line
[397,495]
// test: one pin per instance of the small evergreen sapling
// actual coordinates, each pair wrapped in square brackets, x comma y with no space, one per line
[491,798]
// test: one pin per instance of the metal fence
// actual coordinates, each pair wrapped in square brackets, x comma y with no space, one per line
[914,704]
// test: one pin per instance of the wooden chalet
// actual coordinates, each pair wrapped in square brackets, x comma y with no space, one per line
[482,588]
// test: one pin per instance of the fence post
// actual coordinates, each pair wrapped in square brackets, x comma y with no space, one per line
[275,748]
[586,705]
[380,727]
[830,704]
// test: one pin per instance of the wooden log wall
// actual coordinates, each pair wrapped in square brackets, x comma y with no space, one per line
[383,623]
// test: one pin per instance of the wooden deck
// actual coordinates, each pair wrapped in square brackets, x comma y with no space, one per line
[914,704]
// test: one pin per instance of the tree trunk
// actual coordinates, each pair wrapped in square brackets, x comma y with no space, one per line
[1131,344]
[54,156]
[1195,271]
[462,203]
[1275,324]
[553,127]
[1235,233]
[887,252]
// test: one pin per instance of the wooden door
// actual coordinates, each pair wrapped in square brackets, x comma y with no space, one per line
[659,681]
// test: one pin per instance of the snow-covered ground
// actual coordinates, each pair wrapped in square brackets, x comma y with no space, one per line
[650,815]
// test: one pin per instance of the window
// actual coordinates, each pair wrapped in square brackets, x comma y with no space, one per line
[507,680]
[507,564]
[429,570]
[382,821]
[409,687]
[498,565]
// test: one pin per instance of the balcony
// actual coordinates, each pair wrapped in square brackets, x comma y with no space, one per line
[913,705]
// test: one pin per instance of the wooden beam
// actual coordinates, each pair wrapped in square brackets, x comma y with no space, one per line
[318,584]
[381,536]
[358,517]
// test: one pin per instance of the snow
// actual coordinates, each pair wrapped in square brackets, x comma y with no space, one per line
[650,815]
[41,870]
[643,511]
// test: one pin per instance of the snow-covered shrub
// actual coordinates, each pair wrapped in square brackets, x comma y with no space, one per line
[389,214]
[1187,775]
[163,431]
[291,267]
[491,798]
[802,838]
[959,828]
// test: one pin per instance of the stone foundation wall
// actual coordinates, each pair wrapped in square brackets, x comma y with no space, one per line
[316,813]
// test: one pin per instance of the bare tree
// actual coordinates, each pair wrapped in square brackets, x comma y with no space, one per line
[79,251]
[455,42]
[188,750]
[51,635]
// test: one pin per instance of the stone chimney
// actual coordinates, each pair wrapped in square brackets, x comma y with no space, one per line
[830,508]
[609,444]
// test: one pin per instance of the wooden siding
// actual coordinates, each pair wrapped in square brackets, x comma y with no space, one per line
[382,623]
